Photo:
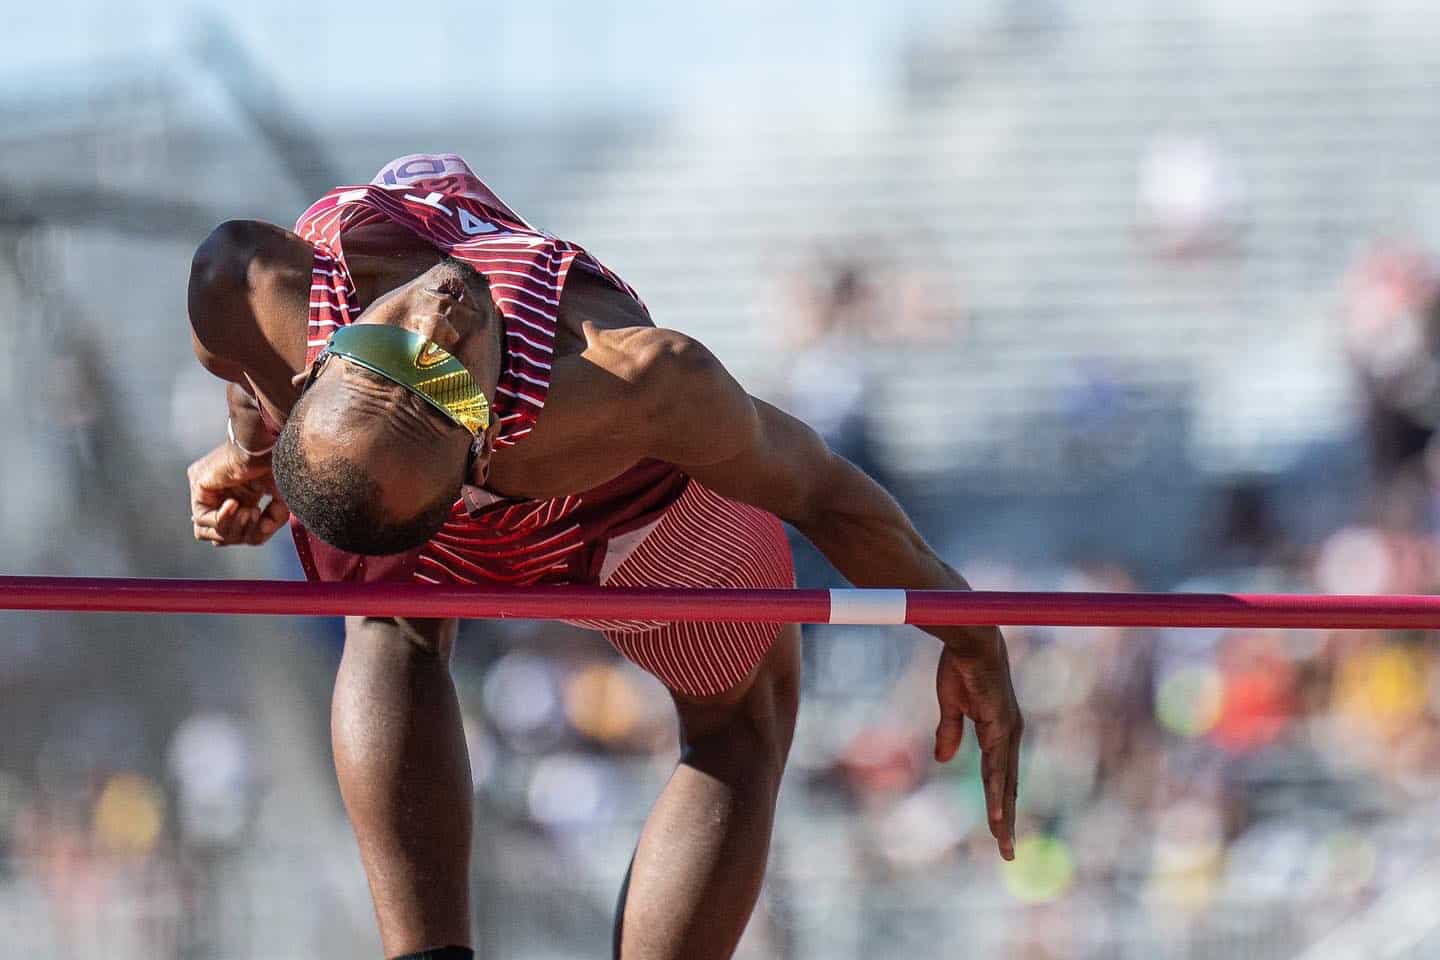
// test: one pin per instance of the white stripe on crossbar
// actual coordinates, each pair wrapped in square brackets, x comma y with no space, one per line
[867,606]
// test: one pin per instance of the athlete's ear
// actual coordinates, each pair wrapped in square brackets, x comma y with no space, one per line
[483,450]
[298,381]
[302,379]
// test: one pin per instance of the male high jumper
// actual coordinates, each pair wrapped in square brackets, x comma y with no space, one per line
[435,391]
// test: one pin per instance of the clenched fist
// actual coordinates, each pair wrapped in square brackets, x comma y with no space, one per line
[227,498]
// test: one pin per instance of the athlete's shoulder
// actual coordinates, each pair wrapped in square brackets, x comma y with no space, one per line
[248,279]
[590,296]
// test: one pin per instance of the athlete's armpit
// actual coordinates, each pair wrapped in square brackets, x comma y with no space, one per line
[776,462]
[589,298]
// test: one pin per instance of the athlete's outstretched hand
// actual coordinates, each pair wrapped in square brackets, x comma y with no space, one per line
[226,493]
[973,680]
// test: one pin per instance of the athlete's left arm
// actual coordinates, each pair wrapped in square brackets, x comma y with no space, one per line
[702,420]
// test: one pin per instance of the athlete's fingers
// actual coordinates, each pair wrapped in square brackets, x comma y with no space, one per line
[209,517]
[999,763]
[950,694]
[992,775]
[207,499]
[247,493]
[205,516]
[232,519]
[993,772]
[225,516]
[232,523]
[275,515]
[213,480]
[266,484]
[207,535]
[206,494]
[1012,790]
[948,737]
[277,512]
[263,526]
[207,502]
[247,519]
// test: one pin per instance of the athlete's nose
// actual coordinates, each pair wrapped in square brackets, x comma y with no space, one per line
[451,287]
[431,315]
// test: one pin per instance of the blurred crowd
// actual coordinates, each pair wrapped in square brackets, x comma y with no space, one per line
[165,782]
[1233,790]
[1239,791]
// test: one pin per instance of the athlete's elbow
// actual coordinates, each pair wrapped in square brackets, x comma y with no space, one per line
[835,497]
[244,255]
[825,502]
[218,274]
[224,257]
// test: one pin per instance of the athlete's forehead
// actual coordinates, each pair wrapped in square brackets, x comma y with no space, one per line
[346,401]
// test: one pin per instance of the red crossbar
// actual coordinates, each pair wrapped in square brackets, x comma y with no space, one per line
[930,607]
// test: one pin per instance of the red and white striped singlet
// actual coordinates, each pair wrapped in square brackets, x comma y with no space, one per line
[651,526]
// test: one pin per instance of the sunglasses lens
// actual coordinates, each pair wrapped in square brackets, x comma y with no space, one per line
[417,364]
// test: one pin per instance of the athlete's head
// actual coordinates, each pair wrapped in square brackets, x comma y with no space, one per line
[370,465]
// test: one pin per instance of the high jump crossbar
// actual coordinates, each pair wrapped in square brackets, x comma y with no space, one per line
[846,606]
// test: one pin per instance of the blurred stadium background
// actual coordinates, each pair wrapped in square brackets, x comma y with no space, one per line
[1111,295]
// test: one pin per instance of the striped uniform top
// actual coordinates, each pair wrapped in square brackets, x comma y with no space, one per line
[488,538]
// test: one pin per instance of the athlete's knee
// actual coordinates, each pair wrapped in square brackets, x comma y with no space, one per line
[752,734]
[778,701]
[749,752]
[778,707]
[425,639]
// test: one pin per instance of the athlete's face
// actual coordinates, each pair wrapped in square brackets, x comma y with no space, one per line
[450,305]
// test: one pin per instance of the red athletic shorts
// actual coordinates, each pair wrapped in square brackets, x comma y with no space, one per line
[701,540]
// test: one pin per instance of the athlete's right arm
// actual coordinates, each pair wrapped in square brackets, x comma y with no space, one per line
[249,286]
[230,484]
[249,301]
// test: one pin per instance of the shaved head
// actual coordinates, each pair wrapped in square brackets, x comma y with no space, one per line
[368,466]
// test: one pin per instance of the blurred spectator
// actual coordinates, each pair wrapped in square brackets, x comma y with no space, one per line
[1188,197]
[1392,336]
[1188,794]
[210,759]
[829,377]
[1248,533]
[1102,434]
[1394,552]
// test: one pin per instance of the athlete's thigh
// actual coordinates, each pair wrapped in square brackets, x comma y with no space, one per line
[707,541]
